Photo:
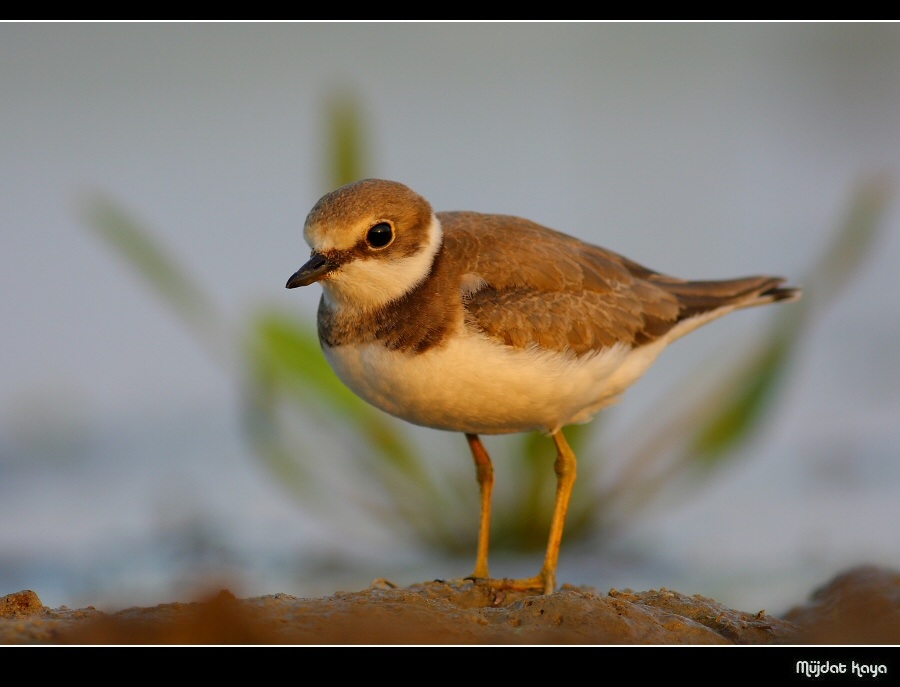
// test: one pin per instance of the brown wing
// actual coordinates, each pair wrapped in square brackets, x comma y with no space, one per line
[539,287]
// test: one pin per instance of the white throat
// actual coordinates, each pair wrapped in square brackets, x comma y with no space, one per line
[367,284]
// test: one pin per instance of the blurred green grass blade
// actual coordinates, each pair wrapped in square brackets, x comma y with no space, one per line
[286,364]
[855,239]
[297,465]
[259,417]
[166,277]
[287,352]
[524,523]
[528,518]
[347,139]
[747,399]
[706,433]
[292,350]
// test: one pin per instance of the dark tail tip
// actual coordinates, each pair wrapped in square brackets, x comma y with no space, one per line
[781,293]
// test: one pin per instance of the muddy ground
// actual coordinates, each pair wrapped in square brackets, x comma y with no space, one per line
[861,606]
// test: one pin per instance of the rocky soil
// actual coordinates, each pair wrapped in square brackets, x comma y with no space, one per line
[861,606]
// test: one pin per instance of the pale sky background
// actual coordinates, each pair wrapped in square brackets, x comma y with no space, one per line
[702,150]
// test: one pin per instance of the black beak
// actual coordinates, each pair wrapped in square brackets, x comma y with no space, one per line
[314,269]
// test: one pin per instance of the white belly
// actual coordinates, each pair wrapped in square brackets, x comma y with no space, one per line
[472,384]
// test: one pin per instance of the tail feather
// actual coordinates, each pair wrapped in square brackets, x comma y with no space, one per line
[699,297]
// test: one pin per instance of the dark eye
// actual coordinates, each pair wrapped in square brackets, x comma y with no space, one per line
[380,235]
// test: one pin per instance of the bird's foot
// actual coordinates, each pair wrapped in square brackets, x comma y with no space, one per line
[542,583]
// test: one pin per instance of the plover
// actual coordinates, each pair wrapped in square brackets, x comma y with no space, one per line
[493,324]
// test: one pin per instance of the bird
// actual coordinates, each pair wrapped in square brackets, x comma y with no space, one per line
[490,324]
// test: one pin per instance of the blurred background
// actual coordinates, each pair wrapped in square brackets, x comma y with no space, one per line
[167,422]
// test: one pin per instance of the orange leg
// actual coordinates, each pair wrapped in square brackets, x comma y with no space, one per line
[565,468]
[484,469]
